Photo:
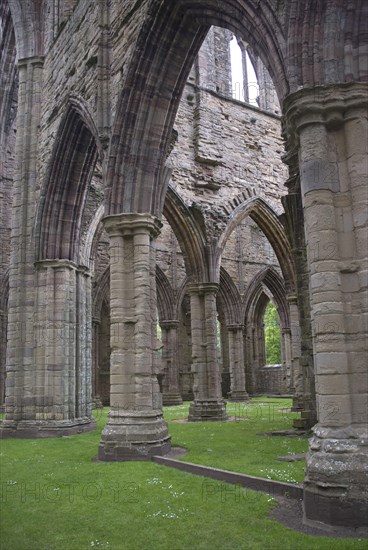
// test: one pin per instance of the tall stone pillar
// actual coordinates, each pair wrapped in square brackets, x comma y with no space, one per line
[330,124]
[287,363]
[48,352]
[59,383]
[208,403]
[250,354]
[225,361]
[303,387]
[136,429]
[296,373]
[96,398]
[19,359]
[170,384]
[237,366]
[3,324]
[184,359]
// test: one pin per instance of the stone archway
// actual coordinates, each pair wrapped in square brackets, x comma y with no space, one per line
[61,301]
[265,286]
[316,54]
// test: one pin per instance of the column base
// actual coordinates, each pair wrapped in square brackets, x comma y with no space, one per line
[30,429]
[305,422]
[308,417]
[335,486]
[97,403]
[132,436]
[225,383]
[333,512]
[188,396]
[238,397]
[207,411]
[297,404]
[171,399]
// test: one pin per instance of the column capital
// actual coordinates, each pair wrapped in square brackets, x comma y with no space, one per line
[167,324]
[36,60]
[327,105]
[62,264]
[292,299]
[203,288]
[131,224]
[56,264]
[235,327]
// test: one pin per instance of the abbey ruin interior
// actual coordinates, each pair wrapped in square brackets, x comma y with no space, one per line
[153,207]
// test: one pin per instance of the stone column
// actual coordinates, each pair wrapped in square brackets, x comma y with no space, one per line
[237,367]
[48,352]
[208,403]
[19,359]
[304,398]
[136,429]
[96,398]
[286,357]
[296,374]
[243,47]
[171,393]
[57,390]
[302,375]
[249,354]
[184,360]
[3,324]
[225,367]
[331,125]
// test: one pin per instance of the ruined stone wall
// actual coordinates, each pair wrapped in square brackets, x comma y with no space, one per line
[240,149]
[246,253]
[70,69]
[170,257]
[225,149]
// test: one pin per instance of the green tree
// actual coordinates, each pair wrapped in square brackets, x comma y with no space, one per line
[272,335]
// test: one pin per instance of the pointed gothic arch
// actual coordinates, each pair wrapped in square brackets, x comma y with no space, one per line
[29,26]
[273,281]
[189,235]
[168,42]
[269,222]
[165,297]
[266,285]
[65,188]
[230,299]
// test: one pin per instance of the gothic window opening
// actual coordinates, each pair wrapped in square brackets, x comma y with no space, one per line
[244,82]
[272,334]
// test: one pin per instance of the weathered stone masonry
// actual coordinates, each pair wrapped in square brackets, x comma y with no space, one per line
[97,86]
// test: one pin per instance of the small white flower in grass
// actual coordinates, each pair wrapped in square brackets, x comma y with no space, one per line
[11,482]
[154,481]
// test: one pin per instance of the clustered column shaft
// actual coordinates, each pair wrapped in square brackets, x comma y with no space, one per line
[208,403]
[331,125]
[135,429]
[236,360]
[170,384]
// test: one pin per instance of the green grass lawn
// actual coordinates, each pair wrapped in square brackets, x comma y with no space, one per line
[236,446]
[55,498]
